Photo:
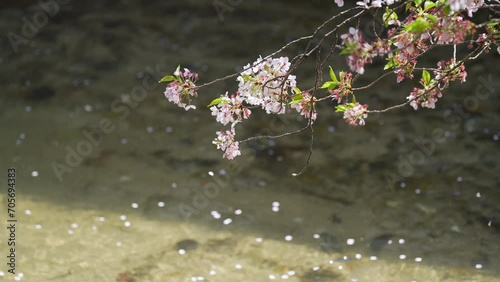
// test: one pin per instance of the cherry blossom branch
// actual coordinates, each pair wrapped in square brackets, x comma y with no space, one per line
[269,83]
[479,50]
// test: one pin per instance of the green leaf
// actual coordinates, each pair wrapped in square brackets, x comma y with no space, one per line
[354,99]
[330,85]
[493,23]
[432,18]
[349,47]
[333,76]
[418,26]
[326,84]
[344,107]
[407,7]
[215,102]
[447,9]
[389,15]
[167,78]
[345,52]
[245,77]
[390,64]
[341,108]
[426,76]
[428,5]
[178,68]
[296,90]
[296,99]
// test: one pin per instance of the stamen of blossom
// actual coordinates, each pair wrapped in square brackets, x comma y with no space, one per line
[182,88]
[356,114]
[225,142]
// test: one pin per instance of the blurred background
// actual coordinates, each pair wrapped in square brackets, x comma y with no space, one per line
[116,184]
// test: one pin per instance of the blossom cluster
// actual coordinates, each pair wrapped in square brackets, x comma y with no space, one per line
[344,88]
[369,3]
[471,6]
[414,39]
[408,40]
[225,142]
[424,97]
[356,114]
[230,110]
[181,88]
[448,71]
[358,49]
[427,97]
[305,106]
[266,83]
[375,3]
[452,29]
[404,58]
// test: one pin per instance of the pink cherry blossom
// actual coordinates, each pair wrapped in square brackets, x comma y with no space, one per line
[360,52]
[356,115]
[471,6]
[304,107]
[375,3]
[424,98]
[451,29]
[230,110]
[266,83]
[180,90]
[344,89]
[448,71]
[225,142]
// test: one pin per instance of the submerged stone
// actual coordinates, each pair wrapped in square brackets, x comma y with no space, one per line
[323,275]
[329,243]
[186,245]
[40,93]
[380,241]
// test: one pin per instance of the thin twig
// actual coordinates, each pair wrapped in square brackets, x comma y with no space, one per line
[308,161]
[274,136]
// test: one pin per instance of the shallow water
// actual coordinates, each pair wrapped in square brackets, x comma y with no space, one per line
[152,199]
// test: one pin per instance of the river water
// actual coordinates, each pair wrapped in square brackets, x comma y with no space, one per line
[112,187]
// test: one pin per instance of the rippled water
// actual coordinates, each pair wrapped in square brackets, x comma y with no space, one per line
[115,188]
